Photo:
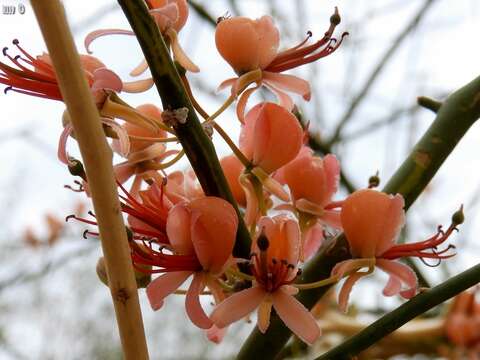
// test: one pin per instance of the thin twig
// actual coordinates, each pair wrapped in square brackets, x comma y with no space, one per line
[403,314]
[402,35]
[97,157]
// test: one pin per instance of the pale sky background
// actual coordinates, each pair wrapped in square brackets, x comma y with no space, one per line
[438,57]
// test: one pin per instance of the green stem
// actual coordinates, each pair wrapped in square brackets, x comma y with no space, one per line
[457,114]
[403,314]
[196,144]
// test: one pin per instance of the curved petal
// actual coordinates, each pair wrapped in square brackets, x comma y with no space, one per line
[347,287]
[164,285]
[227,83]
[139,69]
[332,218]
[137,86]
[102,32]
[242,103]
[192,303]
[251,211]
[62,153]
[404,273]
[295,316]
[179,54]
[237,306]
[283,98]
[123,171]
[289,83]
[104,78]
[122,145]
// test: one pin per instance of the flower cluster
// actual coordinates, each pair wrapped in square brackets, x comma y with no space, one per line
[285,191]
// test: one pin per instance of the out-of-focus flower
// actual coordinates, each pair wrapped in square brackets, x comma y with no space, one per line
[274,265]
[372,221]
[35,76]
[462,325]
[251,48]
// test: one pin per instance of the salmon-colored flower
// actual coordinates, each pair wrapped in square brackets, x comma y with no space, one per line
[274,265]
[312,182]
[372,221]
[201,234]
[251,47]
[270,138]
[462,325]
[36,76]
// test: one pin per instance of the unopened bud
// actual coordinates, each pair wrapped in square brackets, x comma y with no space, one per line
[142,279]
[102,271]
[373,181]
[75,167]
[458,217]
[335,19]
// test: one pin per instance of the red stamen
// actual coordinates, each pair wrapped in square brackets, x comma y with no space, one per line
[418,249]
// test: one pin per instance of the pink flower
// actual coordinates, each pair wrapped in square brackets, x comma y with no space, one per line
[271,136]
[202,234]
[312,182]
[372,221]
[251,48]
[36,76]
[274,266]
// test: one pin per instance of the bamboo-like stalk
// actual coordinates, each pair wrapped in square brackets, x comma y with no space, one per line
[97,157]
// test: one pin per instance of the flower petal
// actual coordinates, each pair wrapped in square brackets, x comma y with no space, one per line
[192,303]
[289,83]
[164,285]
[102,32]
[347,287]
[137,86]
[404,273]
[295,316]
[237,306]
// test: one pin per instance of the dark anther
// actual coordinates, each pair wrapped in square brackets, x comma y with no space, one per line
[262,242]
[71,216]
[274,261]
[431,265]
[7,89]
[4,51]
[291,266]
[90,212]
[299,272]
[16,57]
[284,262]
[15,42]
[85,233]
[335,19]
[309,33]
